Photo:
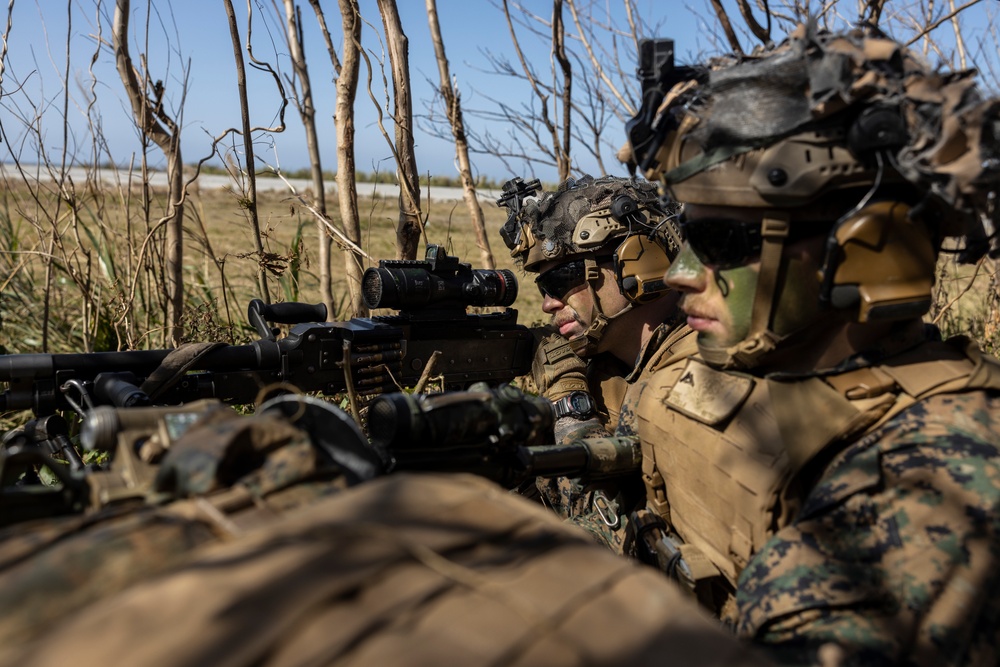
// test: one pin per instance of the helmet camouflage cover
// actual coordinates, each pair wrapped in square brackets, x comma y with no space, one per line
[827,110]
[586,217]
[851,135]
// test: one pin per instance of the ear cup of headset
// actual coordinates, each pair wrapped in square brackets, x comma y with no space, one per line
[882,263]
[640,264]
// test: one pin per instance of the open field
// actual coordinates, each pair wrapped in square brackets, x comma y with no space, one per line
[282,218]
[69,262]
[71,282]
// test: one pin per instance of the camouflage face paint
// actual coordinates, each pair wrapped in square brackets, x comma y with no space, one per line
[738,302]
[797,295]
[719,302]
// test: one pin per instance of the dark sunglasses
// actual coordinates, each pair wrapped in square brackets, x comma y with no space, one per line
[722,243]
[563,279]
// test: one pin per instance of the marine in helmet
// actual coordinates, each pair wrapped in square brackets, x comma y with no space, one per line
[599,247]
[813,220]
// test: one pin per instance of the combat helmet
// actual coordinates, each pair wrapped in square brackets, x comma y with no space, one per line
[619,220]
[849,135]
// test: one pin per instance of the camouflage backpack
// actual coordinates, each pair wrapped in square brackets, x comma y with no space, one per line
[251,549]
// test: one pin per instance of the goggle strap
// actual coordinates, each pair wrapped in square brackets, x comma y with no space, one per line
[592,273]
[586,343]
[773,232]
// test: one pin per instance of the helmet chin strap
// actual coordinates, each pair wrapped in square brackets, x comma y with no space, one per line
[586,343]
[760,340]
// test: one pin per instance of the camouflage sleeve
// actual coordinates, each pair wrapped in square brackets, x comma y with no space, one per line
[599,508]
[895,557]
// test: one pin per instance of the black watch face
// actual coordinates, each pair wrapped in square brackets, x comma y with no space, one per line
[580,402]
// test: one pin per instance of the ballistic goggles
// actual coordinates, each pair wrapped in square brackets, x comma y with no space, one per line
[720,242]
[559,281]
[723,243]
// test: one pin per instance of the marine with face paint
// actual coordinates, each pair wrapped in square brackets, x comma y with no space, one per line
[599,248]
[855,498]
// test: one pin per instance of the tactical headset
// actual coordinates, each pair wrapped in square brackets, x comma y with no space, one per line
[641,259]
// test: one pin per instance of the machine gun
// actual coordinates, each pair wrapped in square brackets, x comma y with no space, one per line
[372,355]
[501,434]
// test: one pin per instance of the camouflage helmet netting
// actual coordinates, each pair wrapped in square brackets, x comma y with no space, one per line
[552,217]
[817,81]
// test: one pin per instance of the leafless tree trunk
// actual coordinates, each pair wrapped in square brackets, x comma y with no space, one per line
[559,51]
[251,194]
[161,129]
[347,88]
[453,108]
[410,226]
[293,26]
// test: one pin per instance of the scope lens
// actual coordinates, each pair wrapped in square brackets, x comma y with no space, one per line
[389,418]
[374,284]
[493,287]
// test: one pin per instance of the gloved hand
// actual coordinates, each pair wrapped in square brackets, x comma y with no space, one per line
[556,370]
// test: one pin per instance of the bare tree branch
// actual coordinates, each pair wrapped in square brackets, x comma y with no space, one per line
[453,109]
[595,63]
[154,124]
[251,195]
[947,17]
[559,52]
[761,33]
[727,27]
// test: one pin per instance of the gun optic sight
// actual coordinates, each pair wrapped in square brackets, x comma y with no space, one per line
[439,280]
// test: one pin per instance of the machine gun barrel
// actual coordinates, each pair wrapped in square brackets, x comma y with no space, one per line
[34,380]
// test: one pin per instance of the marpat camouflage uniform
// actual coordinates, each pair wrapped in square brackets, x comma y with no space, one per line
[827,455]
[896,549]
[602,507]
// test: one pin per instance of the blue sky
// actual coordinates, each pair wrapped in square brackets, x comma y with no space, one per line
[36,61]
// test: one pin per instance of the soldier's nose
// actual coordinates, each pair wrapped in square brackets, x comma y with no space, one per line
[551,304]
[686,273]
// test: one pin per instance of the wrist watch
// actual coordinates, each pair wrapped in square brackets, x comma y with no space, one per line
[578,404]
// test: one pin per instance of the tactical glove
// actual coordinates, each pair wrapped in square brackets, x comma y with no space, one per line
[556,370]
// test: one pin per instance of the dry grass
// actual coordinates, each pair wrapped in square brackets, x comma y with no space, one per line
[71,261]
[967,301]
[283,219]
